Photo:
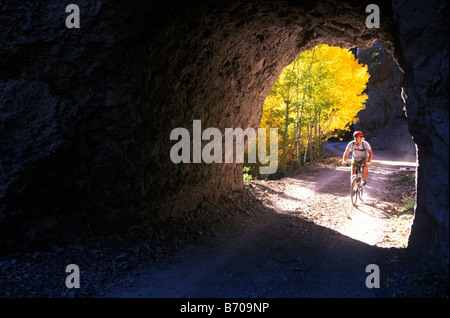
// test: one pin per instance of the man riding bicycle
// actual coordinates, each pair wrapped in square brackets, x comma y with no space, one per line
[362,153]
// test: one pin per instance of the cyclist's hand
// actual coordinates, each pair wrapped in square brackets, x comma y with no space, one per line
[344,163]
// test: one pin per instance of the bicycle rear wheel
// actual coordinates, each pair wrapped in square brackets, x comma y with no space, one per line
[354,191]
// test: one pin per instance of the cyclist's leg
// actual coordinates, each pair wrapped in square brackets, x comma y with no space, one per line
[365,170]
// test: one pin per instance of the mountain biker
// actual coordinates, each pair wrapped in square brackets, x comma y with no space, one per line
[362,153]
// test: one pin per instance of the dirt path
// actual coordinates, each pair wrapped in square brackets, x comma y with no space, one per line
[306,241]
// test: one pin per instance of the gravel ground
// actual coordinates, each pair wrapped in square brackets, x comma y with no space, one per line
[107,262]
[283,238]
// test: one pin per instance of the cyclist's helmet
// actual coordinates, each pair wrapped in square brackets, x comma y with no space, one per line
[357,134]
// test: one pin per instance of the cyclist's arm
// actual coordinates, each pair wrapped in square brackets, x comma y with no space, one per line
[370,155]
[344,158]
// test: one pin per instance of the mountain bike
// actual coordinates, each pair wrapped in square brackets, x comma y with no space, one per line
[356,184]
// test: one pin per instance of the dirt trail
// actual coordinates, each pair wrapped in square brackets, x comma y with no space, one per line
[307,241]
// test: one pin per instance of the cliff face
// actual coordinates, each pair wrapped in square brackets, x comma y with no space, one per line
[423,33]
[384,121]
[384,104]
[86,113]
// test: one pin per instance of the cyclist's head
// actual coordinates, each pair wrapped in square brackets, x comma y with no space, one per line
[358,134]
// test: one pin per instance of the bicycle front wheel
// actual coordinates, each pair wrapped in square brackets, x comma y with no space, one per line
[354,191]
[360,193]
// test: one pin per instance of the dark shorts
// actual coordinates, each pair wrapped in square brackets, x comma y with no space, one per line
[357,162]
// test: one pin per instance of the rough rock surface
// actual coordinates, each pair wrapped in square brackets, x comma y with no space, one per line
[86,114]
[384,104]
[383,121]
[423,32]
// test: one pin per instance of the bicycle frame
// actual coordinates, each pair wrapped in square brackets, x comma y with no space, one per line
[356,185]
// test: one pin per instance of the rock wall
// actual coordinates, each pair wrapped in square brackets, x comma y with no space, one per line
[68,113]
[383,121]
[86,113]
[384,104]
[423,32]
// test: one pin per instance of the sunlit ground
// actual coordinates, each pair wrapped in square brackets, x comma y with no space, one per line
[395,163]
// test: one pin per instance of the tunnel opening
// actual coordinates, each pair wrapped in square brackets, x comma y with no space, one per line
[385,118]
[287,109]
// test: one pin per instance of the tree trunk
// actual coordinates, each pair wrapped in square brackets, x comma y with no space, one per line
[286,124]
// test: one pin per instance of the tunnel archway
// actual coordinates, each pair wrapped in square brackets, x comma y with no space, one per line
[104,152]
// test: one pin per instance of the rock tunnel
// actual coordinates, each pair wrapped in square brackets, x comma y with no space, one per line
[86,113]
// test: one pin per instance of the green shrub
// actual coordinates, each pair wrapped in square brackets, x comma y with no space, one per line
[247,177]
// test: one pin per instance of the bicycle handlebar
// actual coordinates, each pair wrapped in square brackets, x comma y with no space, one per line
[349,163]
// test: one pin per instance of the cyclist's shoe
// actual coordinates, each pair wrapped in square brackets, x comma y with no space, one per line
[364,183]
